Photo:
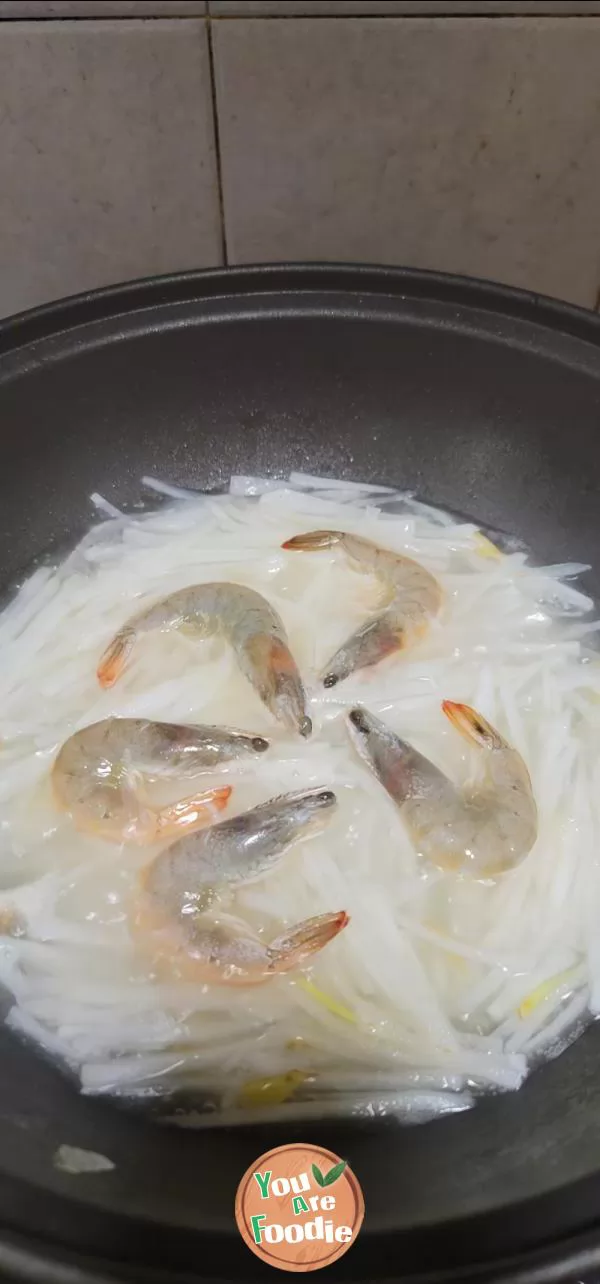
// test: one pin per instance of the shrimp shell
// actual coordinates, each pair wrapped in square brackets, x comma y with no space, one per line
[484,830]
[101,775]
[414,598]
[246,621]
[170,918]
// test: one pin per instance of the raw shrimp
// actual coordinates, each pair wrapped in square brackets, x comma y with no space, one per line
[414,597]
[199,872]
[484,830]
[100,775]
[250,625]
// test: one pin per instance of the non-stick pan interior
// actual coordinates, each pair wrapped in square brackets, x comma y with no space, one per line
[478,398]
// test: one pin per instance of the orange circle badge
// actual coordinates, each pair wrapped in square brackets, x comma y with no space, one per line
[299,1207]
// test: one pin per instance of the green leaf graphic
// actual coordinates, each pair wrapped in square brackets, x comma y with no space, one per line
[335,1172]
[318,1176]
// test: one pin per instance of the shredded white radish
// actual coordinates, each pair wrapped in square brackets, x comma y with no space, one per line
[439,983]
[163,488]
[104,505]
[409,1108]
[307,481]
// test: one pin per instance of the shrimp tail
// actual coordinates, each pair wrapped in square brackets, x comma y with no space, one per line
[114,658]
[307,938]
[313,539]
[184,816]
[472,725]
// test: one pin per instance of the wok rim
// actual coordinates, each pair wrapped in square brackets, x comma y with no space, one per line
[141,293]
[41,1261]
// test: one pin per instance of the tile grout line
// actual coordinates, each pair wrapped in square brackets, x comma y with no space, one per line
[361,15]
[217,139]
[397,16]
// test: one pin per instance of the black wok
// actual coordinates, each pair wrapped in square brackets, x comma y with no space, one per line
[480,398]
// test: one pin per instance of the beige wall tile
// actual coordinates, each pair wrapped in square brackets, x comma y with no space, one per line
[459,144]
[386,8]
[101,8]
[106,155]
